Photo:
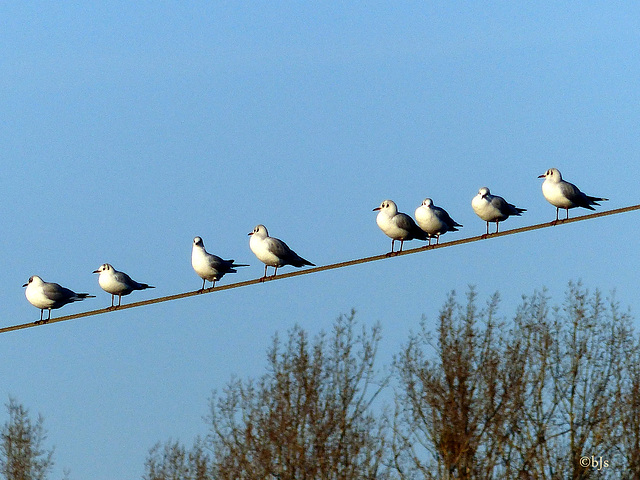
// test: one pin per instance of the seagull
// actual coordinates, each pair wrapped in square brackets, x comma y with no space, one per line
[397,225]
[208,266]
[562,194]
[273,252]
[492,208]
[434,220]
[117,283]
[48,295]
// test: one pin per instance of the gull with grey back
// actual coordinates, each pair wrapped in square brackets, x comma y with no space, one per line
[397,225]
[208,266]
[562,194]
[273,252]
[492,208]
[435,221]
[117,283]
[48,295]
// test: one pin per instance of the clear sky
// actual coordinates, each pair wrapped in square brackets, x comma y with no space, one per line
[128,128]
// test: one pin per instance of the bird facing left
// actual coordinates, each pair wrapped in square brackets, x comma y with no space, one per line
[117,283]
[49,295]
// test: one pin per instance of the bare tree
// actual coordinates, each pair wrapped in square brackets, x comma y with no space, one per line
[454,411]
[309,417]
[630,403]
[22,452]
[551,395]
[172,461]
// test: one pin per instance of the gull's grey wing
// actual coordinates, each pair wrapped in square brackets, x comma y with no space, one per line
[407,223]
[580,199]
[57,293]
[284,253]
[126,280]
[278,248]
[571,192]
[505,207]
[129,282]
[444,217]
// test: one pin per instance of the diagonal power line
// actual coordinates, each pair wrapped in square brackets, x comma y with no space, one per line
[321,268]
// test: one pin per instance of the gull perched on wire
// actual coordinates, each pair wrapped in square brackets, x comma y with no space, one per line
[46,295]
[273,252]
[492,208]
[397,225]
[117,283]
[435,221]
[208,266]
[562,194]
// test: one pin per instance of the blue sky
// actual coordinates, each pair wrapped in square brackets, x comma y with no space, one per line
[130,128]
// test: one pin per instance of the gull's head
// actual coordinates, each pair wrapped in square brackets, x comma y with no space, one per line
[33,279]
[105,267]
[197,242]
[483,192]
[552,174]
[260,231]
[427,202]
[387,206]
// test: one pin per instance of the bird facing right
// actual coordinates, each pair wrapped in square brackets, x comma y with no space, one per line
[562,194]
[208,266]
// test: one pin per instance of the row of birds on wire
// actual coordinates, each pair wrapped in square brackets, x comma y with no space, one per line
[430,222]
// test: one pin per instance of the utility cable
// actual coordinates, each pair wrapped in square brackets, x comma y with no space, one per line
[322,268]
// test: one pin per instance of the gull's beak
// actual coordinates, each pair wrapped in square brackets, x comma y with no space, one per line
[542,176]
[96,271]
[250,233]
[25,284]
[376,209]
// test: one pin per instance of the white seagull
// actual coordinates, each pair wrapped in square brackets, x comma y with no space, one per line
[46,295]
[397,225]
[117,283]
[562,194]
[208,266]
[273,252]
[434,220]
[492,208]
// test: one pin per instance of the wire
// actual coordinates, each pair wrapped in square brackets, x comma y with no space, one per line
[322,268]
